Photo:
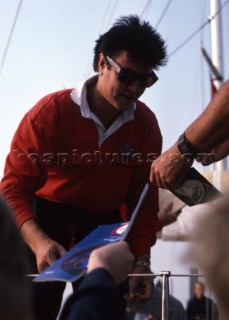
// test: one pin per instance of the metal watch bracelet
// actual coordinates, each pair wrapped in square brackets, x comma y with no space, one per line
[143,255]
[143,264]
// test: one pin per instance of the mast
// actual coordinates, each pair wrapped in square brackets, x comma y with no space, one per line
[217,56]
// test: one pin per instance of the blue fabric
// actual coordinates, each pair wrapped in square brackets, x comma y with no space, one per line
[96,298]
[154,306]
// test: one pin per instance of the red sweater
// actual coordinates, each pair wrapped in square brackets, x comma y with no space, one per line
[55,154]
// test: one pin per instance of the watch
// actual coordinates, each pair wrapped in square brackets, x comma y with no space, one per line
[143,263]
[184,146]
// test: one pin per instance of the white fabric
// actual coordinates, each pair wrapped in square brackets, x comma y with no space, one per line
[79,96]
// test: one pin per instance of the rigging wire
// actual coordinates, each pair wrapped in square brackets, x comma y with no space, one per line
[110,18]
[202,65]
[105,24]
[146,16]
[227,46]
[163,13]
[106,13]
[148,6]
[10,36]
[198,30]
[148,3]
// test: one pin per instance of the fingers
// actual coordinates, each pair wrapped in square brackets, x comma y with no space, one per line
[61,250]
[169,177]
[141,289]
[47,261]
[116,258]
[48,253]
[53,255]
[42,266]
[205,158]
[168,207]
[168,170]
[155,177]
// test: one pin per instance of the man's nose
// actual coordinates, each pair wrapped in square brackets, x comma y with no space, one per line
[135,87]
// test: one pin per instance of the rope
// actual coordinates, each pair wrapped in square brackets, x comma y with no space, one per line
[10,35]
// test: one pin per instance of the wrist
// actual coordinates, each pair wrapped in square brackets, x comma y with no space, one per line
[142,257]
[32,234]
[185,147]
[141,263]
[143,260]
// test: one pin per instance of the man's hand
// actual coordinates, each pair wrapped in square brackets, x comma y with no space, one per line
[46,250]
[115,257]
[168,171]
[167,216]
[216,154]
[141,287]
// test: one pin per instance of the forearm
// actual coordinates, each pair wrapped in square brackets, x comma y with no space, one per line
[211,127]
[221,151]
[207,132]
[32,234]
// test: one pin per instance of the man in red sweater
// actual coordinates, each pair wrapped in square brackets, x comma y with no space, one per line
[79,154]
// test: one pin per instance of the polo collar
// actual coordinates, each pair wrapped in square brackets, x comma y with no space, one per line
[79,97]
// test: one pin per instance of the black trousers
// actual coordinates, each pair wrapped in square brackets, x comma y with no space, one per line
[67,225]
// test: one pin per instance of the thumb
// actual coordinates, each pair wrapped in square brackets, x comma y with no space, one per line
[169,206]
[61,250]
[53,255]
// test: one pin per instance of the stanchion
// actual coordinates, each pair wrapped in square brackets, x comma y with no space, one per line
[165,295]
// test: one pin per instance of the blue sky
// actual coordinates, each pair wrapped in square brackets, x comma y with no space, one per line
[52,48]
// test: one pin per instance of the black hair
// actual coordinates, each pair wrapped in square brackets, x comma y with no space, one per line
[136,37]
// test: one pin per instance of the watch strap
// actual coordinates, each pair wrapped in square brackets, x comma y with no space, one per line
[184,146]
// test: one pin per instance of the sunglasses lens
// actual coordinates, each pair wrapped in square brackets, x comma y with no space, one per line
[145,81]
[151,79]
[126,75]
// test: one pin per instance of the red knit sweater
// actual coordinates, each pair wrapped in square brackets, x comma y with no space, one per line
[55,154]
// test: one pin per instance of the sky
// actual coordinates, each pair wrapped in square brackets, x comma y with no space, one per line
[51,48]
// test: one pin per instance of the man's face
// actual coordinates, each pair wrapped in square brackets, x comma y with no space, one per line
[118,94]
[199,290]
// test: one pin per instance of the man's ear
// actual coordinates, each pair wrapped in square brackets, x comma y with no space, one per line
[101,63]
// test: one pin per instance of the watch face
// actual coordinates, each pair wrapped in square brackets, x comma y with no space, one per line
[181,145]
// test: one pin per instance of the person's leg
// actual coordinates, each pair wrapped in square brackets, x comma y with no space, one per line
[47,296]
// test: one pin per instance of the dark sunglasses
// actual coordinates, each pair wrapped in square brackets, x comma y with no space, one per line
[127,75]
